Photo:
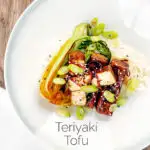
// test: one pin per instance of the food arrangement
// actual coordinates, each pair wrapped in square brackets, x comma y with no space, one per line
[86,74]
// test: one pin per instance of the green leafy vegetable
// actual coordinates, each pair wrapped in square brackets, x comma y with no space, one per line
[110,34]
[92,43]
[110,97]
[63,112]
[63,70]
[75,69]
[81,43]
[98,29]
[84,44]
[80,113]
[92,47]
[88,55]
[89,88]
[103,49]
[60,81]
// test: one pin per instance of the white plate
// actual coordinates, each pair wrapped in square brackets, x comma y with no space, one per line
[35,36]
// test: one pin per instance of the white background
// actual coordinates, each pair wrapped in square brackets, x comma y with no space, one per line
[13,133]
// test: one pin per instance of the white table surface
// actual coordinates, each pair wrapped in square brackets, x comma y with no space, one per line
[14,135]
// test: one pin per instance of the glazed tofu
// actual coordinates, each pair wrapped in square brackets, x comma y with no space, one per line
[78,98]
[95,81]
[77,57]
[87,78]
[106,77]
[73,86]
[100,58]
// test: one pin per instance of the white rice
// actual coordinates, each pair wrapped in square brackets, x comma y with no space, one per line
[138,63]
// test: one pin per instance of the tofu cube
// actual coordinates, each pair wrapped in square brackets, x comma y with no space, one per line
[95,81]
[73,86]
[106,77]
[87,78]
[78,98]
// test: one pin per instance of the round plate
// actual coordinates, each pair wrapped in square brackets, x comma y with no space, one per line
[39,33]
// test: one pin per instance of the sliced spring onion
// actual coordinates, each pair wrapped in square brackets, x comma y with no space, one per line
[63,112]
[121,101]
[89,88]
[113,107]
[75,69]
[110,34]
[80,113]
[110,97]
[94,22]
[132,84]
[60,81]
[98,29]
[63,70]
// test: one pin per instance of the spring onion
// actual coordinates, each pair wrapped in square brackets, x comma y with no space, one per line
[75,69]
[60,81]
[63,70]
[110,97]
[89,88]
[110,34]
[63,112]
[113,107]
[132,84]
[98,29]
[94,22]
[80,113]
[121,101]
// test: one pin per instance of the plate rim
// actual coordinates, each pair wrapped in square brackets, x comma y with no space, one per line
[25,13]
